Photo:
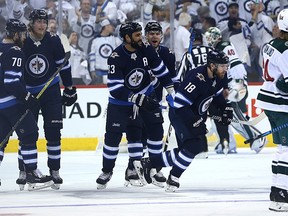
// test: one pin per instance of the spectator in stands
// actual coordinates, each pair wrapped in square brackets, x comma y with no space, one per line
[233,12]
[105,10]
[198,21]
[182,36]
[52,26]
[78,61]
[85,25]
[207,23]
[101,48]
[261,27]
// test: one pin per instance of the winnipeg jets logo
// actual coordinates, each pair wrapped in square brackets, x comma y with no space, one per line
[204,105]
[87,31]
[37,65]
[114,55]
[134,56]
[105,50]
[135,77]
[201,77]
[221,8]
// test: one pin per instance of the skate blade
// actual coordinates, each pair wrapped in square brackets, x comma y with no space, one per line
[170,188]
[101,187]
[139,169]
[158,184]
[37,186]
[226,147]
[55,186]
[278,207]
[21,187]
[134,183]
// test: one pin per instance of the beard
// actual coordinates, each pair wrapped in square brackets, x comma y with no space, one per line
[135,44]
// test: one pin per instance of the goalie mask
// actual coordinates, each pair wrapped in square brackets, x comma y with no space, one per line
[213,36]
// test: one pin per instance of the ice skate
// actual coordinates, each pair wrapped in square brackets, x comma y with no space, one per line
[279,200]
[21,181]
[158,179]
[144,170]
[172,184]
[56,179]
[202,155]
[103,179]
[132,178]
[37,181]
[225,147]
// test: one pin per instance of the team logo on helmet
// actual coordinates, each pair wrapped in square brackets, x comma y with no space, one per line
[135,77]
[105,50]
[37,65]
[87,31]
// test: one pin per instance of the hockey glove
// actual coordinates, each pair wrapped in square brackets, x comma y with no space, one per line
[282,85]
[69,96]
[31,102]
[197,121]
[227,115]
[147,103]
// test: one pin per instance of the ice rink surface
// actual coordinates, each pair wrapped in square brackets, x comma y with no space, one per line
[234,185]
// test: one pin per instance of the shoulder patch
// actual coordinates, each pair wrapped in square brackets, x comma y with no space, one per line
[201,77]
[16,48]
[146,43]
[225,43]
[286,43]
[52,34]
[114,55]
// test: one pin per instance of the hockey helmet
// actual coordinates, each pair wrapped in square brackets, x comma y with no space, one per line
[38,14]
[129,28]
[14,25]
[212,36]
[282,20]
[196,35]
[153,26]
[217,57]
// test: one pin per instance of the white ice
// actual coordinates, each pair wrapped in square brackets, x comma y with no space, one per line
[221,185]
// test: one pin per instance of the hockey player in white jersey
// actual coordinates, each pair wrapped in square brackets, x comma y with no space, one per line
[237,83]
[273,98]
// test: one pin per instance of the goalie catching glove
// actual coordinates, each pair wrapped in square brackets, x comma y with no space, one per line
[227,115]
[69,96]
[147,103]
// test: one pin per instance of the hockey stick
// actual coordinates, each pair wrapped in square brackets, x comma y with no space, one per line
[273,130]
[180,76]
[253,122]
[67,56]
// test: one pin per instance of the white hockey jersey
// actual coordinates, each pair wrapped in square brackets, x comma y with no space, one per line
[101,49]
[275,55]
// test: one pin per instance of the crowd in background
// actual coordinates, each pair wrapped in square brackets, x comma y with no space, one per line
[92,27]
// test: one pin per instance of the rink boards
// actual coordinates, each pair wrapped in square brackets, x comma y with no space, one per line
[84,122]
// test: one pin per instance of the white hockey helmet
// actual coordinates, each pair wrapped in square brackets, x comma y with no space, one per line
[282,20]
[213,35]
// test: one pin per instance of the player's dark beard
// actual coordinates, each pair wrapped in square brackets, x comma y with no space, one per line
[134,44]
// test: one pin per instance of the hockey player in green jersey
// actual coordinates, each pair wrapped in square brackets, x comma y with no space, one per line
[237,84]
[273,99]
